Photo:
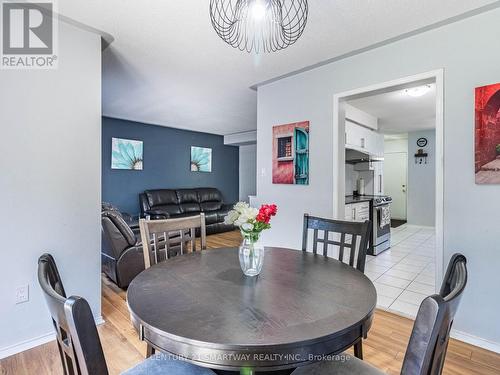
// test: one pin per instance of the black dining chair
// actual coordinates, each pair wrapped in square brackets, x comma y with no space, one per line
[77,337]
[348,231]
[348,252]
[429,339]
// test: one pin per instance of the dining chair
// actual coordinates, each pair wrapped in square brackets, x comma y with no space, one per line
[349,250]
[426,351]
[78,341]
[186,229]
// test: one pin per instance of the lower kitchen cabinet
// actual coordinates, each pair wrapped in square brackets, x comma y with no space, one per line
[357,211]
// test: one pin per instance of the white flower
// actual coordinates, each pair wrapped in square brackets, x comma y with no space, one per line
[247,227]
[231,217]
[240,206]
[247,214]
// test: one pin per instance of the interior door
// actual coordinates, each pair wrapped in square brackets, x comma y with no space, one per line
[395,182]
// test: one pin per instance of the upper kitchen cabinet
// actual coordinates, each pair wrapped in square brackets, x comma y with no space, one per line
[362,139]
[361,130]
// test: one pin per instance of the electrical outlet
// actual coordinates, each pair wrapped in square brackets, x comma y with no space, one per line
[22,294]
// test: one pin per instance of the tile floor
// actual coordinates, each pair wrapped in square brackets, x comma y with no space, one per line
[405,274]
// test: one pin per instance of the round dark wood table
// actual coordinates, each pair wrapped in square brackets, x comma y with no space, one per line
[301,308]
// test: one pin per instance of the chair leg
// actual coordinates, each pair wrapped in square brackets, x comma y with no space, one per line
[149,351]
[358,349]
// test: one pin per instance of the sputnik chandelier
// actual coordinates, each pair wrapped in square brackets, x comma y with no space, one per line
[259,25]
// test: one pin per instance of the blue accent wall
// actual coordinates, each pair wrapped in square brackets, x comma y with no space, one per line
[167,156]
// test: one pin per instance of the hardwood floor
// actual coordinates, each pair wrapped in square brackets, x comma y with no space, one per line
[384,348]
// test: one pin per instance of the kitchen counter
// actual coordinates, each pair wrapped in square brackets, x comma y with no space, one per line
[350,199]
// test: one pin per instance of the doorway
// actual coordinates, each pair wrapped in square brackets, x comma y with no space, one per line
[430,239]
[396,182]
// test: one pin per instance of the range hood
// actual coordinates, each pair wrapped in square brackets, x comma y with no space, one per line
[357,157]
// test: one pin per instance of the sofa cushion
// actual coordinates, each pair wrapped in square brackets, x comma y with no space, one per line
[188,200]
[117,230]
[211,218]
[187,196]
[170,209]
[209,195]
[210,206]
[161,197]
[210,199]
[192,208]
[223,211]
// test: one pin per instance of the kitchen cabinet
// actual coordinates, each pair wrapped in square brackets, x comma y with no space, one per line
[357,211]
[363,139]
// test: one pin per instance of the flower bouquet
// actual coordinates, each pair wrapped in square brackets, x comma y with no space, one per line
[251,223]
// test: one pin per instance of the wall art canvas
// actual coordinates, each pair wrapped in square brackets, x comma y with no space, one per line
[487,134]
[201,159]
[126,154]
[291,153]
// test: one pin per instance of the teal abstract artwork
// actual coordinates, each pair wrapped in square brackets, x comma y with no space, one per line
[126,154]
[201,159]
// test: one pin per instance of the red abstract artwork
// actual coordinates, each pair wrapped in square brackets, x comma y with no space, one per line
[291,153]
[487,134]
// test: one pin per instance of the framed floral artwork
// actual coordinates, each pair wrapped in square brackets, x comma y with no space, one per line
[487,134]
[201,159]
[126,154]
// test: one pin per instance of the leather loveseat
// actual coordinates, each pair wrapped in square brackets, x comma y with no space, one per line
[169,203]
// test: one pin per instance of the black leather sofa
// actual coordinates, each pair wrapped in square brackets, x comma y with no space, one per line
[169,203]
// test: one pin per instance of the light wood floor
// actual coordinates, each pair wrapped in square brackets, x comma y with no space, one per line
[384,348]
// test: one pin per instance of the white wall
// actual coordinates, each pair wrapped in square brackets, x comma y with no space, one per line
[465,50]
[422,181]
[248,171]
[50,184]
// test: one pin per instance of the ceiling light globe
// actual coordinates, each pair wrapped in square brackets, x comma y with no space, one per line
[258,9]
[416,92]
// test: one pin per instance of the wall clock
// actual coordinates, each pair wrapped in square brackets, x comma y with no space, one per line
[422,142]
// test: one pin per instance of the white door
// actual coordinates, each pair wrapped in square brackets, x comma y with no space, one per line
[395,182]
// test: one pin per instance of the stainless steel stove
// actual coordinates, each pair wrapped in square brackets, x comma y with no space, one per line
[381,218]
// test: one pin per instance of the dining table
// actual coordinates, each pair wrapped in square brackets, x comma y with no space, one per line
[302,308]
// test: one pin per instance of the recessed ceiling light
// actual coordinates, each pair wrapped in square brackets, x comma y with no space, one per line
[416,92]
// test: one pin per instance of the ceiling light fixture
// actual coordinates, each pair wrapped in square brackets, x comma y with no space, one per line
[259,25]
[416,92]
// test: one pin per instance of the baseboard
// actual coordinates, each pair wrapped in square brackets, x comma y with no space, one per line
[26,345]
[476,341]
[37,341]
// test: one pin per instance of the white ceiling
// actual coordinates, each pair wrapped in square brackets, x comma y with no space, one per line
[168,67]
[398,112]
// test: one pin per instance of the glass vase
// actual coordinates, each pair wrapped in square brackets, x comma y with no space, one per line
[251,255]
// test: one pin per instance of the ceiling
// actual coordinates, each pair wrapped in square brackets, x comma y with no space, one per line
[168,67]
[398,112]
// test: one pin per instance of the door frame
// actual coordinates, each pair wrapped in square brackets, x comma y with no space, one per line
[339,150]
[406,196]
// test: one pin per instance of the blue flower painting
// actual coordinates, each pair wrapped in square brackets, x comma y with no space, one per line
[201,159]
[126,154]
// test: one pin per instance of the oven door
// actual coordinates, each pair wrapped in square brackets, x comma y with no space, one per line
[380,233]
